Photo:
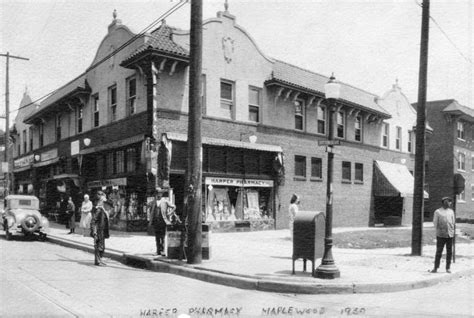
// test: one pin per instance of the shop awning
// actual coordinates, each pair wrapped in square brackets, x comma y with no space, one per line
[226,143]
[393,179]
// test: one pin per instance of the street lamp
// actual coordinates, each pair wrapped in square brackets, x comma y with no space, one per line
[328,269]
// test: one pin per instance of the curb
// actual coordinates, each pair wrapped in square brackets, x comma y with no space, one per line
[257,283]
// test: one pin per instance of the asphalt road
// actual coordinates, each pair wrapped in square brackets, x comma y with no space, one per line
[44,280]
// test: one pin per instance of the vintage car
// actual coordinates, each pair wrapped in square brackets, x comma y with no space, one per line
[21,215]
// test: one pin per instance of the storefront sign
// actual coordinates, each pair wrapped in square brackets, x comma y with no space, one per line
[233,182]
[50,154]
[23,162]
[75,148]
[107,183]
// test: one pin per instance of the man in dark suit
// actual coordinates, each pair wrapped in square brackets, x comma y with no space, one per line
[99,228]
[161,210]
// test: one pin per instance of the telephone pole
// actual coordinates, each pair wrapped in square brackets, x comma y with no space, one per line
[418,193]
[6,138]
[194,165]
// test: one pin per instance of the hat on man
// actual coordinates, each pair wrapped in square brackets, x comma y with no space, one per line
[446,198]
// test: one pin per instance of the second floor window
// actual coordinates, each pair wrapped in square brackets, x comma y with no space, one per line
[321,113]
[410,142]
[40,135]
[24,141]
[299,115]
[460,130]
[80,115]
[96,109]
[132,95]
[461,161]
[385,128]
[358,128]
[58,127]
[227,98]
[254,104]
[300,166]
[113,103]
[30,133]
[340,124]
[398,139]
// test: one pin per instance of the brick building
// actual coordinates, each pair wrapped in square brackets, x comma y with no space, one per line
[451,151]
[103,130]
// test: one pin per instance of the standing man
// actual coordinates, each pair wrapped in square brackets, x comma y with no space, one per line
[161,210]
[443,221]
[100,228]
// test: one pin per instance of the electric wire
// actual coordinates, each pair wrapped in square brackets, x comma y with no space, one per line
[446,35]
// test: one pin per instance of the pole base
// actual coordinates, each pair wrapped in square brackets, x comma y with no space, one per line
[327,272]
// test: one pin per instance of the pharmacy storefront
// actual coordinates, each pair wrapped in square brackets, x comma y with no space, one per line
[239,204]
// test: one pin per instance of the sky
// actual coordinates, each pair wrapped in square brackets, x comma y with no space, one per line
[369,44]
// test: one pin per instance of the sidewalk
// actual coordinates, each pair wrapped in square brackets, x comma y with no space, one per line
[263,261]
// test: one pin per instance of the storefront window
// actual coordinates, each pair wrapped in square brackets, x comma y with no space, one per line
[231,199]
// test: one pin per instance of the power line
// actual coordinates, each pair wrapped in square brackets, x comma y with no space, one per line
[135,37]
[447,37]
[451,41]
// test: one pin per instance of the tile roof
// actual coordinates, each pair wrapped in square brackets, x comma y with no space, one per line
[77,84]
[161,40]
[456,107]
[451,106]
[299,77]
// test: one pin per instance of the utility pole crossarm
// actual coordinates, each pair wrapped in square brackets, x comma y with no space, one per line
[14,56]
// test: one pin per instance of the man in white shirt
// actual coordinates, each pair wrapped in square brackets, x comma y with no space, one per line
[443,221]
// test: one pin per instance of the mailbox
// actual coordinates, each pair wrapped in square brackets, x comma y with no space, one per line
[308,237]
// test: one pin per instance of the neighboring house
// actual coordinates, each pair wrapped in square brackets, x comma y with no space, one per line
[393,178]
[451,151]
[24,144]
[103,129]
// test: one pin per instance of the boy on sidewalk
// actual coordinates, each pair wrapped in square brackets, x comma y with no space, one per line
[443,221]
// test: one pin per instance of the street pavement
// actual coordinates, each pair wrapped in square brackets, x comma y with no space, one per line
[263,261]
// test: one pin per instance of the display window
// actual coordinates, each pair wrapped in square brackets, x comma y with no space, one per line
[229,199]
[126,204]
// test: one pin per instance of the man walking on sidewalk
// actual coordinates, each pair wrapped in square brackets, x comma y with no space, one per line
[161,210]
[443,221]
[100,228]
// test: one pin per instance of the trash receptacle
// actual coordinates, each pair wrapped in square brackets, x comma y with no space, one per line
[308,237]
[176,239]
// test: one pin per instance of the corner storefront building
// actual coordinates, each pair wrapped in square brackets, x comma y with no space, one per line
[104,129]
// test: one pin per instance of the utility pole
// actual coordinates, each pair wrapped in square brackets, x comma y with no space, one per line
[418,197]
[6,138]
[194,165]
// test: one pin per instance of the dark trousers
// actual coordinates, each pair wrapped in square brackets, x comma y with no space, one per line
[99,248]
[440,242]
[160,232]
